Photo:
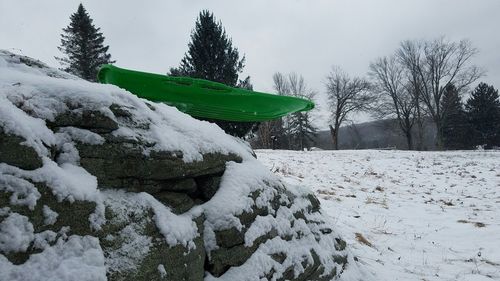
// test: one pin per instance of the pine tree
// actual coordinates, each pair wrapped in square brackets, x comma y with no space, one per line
[299,131]
[82,44]
[483,111]
[302,132]
[456,129]
[211,56]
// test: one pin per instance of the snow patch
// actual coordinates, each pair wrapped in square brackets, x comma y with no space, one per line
[47,97]
[82,135]
[16,234]
[162,271]
[177,229]
[418,209]
[49,216]
[14,121]
[75,259]
[23,192]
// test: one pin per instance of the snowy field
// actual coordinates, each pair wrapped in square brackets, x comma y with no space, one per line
[407,215]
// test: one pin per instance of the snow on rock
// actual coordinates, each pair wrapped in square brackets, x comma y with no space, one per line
[265,230]
[28,89]
[162,271]
[78,258]
[23,192]
[16,233]
[50,217]
[14,121]
[98,184]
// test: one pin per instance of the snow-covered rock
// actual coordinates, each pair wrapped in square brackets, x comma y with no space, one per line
[98,184]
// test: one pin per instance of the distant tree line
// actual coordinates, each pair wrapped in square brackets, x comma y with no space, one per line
[428,79]
[420,81]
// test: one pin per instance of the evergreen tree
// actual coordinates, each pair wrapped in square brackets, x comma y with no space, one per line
[456,129]
[211,56]
[83,45]
[302,132]
[483,111]
[299,131]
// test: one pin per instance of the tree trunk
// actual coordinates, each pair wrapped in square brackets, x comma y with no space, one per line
[332,135]
[420,134]
[409,140]
[420,130]
[334,132]
[439,136]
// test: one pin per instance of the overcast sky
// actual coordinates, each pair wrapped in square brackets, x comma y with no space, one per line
[302,36]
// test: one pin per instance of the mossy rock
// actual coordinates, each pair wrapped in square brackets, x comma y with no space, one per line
[15,153]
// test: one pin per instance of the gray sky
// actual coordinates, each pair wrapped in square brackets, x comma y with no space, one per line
[303,36]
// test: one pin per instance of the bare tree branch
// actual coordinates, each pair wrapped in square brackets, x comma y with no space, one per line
[397,100]
[435,65]
[346,95]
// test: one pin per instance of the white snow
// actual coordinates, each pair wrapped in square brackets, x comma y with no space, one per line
[15,121]
[82,135]
[49,216]
[177,229]
[239,181]
[43,93]
[134,245]
[423,212]
[46,97]
[69,181]
[77,258]
[23,192]
[4,211]
[162,271]
[16,233]
[43,239]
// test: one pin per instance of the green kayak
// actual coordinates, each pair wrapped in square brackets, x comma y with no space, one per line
[203,98]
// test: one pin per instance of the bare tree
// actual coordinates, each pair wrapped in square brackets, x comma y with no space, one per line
[408,55]
[296,130]
[397,99]
[440,63]
[345,95]
[271,133]
[281,85]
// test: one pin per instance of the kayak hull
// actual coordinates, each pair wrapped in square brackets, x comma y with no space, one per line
[203,98]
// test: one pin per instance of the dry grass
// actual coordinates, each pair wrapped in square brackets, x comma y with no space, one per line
[361,239]
[372,200]
[490,262]
[447,203]
[476,223]
[479,224]
[326,192]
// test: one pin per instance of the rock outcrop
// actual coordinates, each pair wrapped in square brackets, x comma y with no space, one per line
[97,184]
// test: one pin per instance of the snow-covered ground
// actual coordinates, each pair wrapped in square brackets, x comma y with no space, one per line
[407,215]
